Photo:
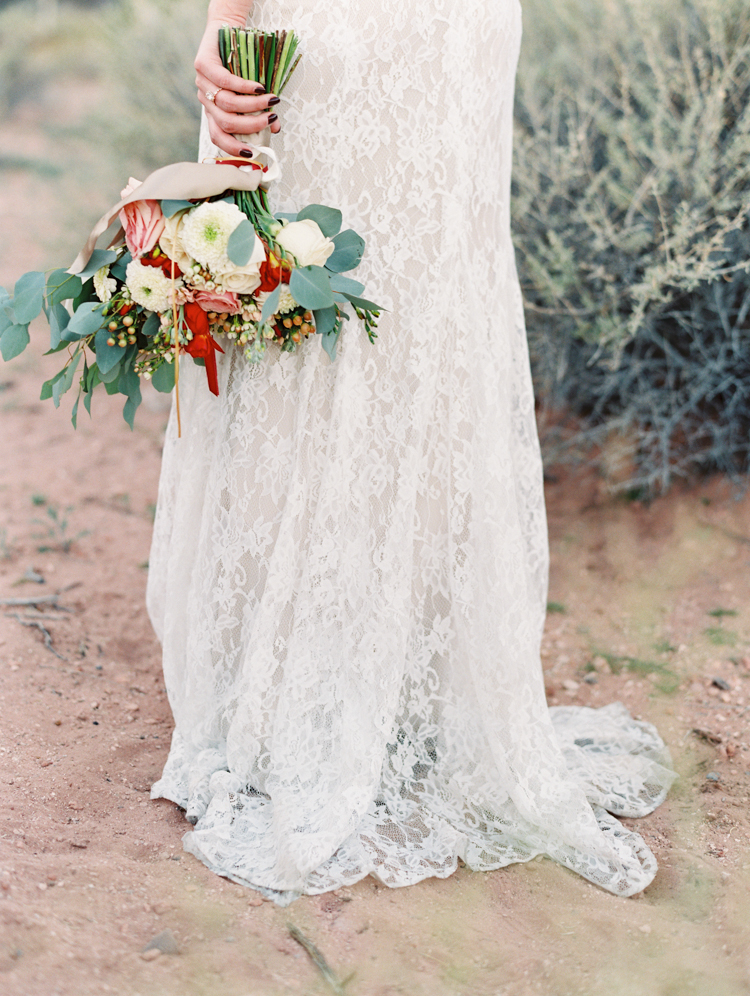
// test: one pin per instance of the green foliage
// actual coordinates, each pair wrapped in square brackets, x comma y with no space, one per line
[631,197]
[721,637]
[667,680]
[56,537]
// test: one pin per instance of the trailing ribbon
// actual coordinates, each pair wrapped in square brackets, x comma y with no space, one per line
[185,182]
[203,343]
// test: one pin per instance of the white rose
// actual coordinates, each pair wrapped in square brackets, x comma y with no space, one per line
[305,241]
[170,241]
[243,279]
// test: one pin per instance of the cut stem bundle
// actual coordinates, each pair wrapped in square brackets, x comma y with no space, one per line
[269,57]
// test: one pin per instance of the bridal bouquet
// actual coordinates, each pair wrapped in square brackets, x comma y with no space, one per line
[201,265]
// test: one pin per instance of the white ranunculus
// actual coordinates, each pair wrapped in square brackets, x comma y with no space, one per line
[104,285]
[149,287]
[305,241]
[205,233]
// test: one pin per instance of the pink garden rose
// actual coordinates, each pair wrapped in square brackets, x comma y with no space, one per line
[211,301]
[143,222]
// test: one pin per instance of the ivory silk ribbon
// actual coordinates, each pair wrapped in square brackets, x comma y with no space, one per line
[184,182]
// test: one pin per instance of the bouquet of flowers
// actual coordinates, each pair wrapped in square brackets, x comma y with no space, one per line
[200,265]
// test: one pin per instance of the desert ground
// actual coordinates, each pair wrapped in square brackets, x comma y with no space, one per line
[648,605]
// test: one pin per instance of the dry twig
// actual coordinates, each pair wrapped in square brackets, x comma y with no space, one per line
[43,630]
[318,959]
[42,599]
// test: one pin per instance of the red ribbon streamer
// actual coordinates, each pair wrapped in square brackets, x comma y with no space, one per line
[203,343]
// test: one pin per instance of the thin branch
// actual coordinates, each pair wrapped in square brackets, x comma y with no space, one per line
[318,959]
[43,629]
[42,599]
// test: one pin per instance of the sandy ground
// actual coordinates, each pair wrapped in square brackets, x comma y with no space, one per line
[650,608]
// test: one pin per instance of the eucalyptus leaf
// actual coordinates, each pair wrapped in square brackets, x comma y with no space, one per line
[62,286]
[111,386]
[58,323]
[285,216]
[151,325]
[311,288]
[47,386]
[170,208]
[14,340]
[325,320]
[86,294]
[271,304]
[87,402]
[241,243]
[163,378]
[28,297]
[119,269]
[112,375]
[6,319]
[74,413]
[327,219]
[346,285]
[362,303]
[107,357]
[330,342]
[56,349]
[129,383]
[129,409]
[92,378]
[347,255]
[66,381]
[86,320]
[99,258]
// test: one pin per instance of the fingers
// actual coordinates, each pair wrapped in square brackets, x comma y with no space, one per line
[226,141]
[209,65]
[231,101]
[238,124]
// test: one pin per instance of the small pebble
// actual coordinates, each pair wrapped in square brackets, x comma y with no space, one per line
[720,683]
[151,954]
[591,679]
[255,901]
[712,777]
[645,928]
[570,686]
[164,943]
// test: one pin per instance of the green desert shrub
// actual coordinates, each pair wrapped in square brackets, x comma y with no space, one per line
[152,114]
[631,198]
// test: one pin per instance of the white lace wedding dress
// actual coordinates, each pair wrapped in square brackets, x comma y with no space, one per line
[349,563]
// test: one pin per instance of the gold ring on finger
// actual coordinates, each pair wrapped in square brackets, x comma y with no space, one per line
[212,94]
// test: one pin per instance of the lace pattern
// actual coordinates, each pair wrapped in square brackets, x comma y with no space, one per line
[349,564]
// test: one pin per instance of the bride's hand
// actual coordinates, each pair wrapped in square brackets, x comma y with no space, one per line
[240,107]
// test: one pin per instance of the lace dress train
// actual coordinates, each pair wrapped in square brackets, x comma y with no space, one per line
[348,573]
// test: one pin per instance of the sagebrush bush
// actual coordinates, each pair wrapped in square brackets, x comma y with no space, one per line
[153,114]
[631,198]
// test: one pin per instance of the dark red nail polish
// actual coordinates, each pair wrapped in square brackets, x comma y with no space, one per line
[260,89]
[272,101]
[247,153]
[272,118]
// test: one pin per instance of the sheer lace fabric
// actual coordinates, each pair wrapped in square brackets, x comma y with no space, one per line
[348,573]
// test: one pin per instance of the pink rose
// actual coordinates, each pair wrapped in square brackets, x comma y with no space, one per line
[211,301]
[143,222]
